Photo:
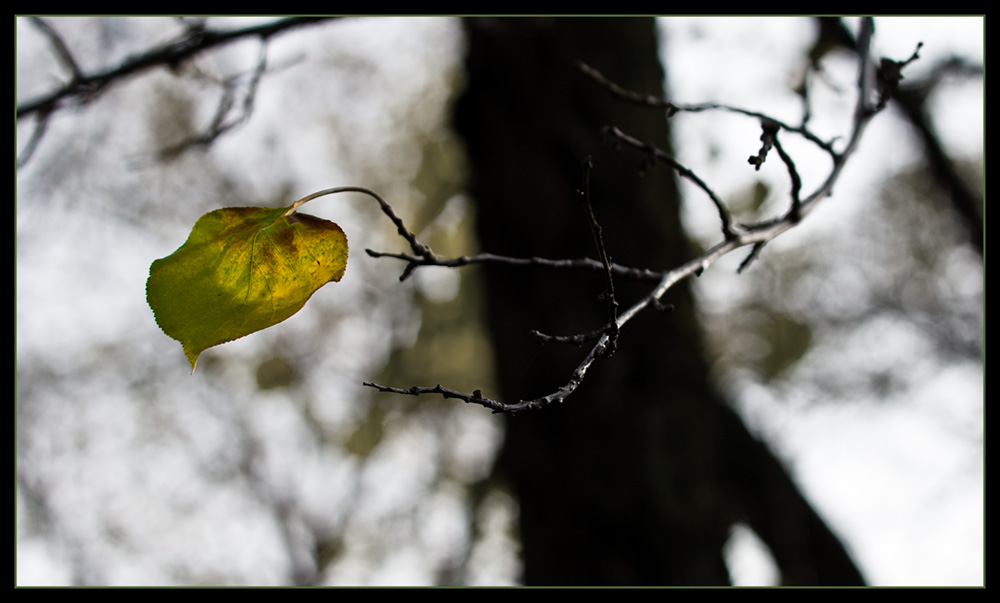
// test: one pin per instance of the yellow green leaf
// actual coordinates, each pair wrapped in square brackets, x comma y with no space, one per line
[242,269]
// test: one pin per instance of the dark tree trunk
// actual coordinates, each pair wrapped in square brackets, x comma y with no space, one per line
[639,476]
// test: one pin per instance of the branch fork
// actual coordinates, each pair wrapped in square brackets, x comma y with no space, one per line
[604,340]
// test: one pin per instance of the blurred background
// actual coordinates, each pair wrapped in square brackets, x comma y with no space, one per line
[852,349]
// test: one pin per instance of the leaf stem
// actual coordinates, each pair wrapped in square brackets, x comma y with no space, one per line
[328,191]
[418,248]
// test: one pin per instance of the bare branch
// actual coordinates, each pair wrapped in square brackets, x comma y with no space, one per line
[664,157]
[82,88]
[41,125]
[654,102]
[577,340]
[413,262]
[912,100]
[86,86]
[475,397]
[793,175]
[60,48]
[755,235]
[609,294]
[768,137]
[220,124]
[647,100]
[890,74]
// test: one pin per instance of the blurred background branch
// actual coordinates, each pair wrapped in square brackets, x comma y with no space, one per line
[81,88]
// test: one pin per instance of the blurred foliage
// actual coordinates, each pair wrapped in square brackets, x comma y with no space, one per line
[276,372]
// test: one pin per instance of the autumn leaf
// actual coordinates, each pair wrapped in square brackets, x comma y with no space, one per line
[243,269]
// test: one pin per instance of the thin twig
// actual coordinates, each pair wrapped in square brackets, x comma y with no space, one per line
[588,264]
[60,48]
[82,88]
[647,100]
[609,294]
[220,124]
[475,397]
[41,125]
[577,340]
[172,55]
[793,175]
[662,156]
[656,102]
